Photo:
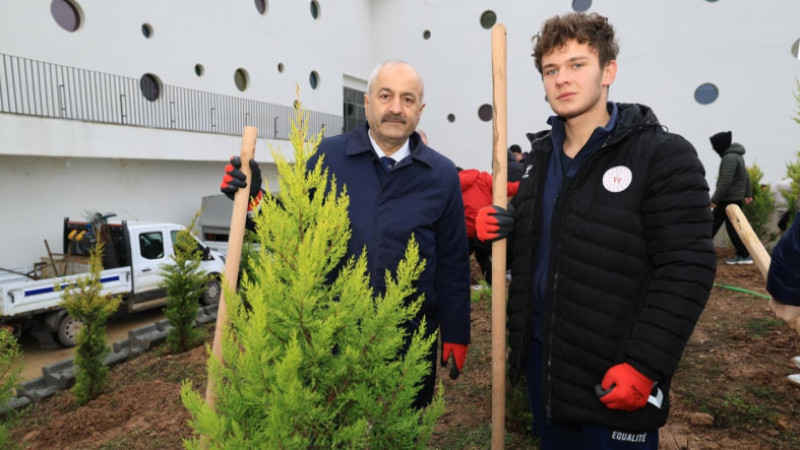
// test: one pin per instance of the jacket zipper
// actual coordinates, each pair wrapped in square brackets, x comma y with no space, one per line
[552,316]
[559,195]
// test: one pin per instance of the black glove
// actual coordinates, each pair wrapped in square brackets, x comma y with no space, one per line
[234,179]
[494,223]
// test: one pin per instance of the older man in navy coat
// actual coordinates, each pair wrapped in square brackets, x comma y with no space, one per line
[398,186]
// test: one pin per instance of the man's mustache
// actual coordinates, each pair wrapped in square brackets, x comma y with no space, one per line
[393,118]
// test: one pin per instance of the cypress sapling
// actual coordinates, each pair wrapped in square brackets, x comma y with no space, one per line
[311,363]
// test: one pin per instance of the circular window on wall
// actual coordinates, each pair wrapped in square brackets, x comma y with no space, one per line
[313,79]
[488,19]
[150,86]
[147,30]
[261,6]
[796,49]
[67,14]
[485,112]
[241,79]
[451,118]
[706,93]
[315,9]
[426,34]
[280,67]
[199,70]
[581,5]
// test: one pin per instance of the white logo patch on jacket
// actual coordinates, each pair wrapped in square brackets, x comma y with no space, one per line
[617,179]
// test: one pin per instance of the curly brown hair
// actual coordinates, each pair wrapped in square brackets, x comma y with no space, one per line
[593,29]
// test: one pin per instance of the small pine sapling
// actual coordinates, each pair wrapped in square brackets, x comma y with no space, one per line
[759,212]
[84,301]
[314,363]
[185,284]
[792,195]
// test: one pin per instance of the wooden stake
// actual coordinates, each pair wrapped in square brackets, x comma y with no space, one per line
[234,254]
[499,198]
[757,251]
[53,261]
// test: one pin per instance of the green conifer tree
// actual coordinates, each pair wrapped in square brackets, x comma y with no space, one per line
[792,195]
[312,364]
[84,302]
[185,284]
[759,212]
[10,369]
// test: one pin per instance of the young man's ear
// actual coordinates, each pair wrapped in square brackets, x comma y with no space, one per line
[609,73]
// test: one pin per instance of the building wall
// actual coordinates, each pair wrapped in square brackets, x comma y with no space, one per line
[667,49]
[40,191]
[51,168]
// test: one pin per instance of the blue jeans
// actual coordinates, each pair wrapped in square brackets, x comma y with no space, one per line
[569,435]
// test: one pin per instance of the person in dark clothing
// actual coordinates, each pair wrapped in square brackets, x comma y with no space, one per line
[783,282]
[476,192]
[516,152]
[783,277]
[610,252]
[733,188]
[515,167]
[399,187]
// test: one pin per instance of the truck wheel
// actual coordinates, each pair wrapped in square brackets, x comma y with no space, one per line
[212,293]
[67,331]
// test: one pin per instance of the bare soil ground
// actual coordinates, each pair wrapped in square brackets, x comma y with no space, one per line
[730,392]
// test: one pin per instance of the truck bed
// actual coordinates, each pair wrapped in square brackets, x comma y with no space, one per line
[21,295]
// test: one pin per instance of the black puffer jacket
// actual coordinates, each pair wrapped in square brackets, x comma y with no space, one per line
[631,267]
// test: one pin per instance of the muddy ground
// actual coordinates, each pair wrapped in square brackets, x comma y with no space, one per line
[731,390]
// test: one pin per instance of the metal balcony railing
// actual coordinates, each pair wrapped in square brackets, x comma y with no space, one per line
[36,88]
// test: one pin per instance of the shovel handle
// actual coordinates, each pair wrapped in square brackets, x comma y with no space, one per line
[753,244]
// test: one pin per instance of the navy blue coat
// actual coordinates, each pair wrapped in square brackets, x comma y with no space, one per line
[783,278]
[420,195]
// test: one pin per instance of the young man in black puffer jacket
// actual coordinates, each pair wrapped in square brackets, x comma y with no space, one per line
[612,259]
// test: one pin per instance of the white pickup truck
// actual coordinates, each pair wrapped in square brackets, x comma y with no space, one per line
[132,268]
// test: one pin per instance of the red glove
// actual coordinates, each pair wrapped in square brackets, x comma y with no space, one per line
[458,352]
[234,180]
[493,222]
[625,388]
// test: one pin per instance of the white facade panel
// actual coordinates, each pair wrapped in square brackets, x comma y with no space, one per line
[51,168]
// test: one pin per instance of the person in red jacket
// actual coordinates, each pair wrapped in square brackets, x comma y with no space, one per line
[476,191]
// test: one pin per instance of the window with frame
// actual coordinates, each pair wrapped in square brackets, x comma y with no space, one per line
[151,245]
[353,109]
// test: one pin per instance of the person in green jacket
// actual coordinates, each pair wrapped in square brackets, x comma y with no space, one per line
[733,187]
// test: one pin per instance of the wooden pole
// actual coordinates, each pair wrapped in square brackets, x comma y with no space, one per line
[757,251]
[234,254]
[52,261]
[499,198]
